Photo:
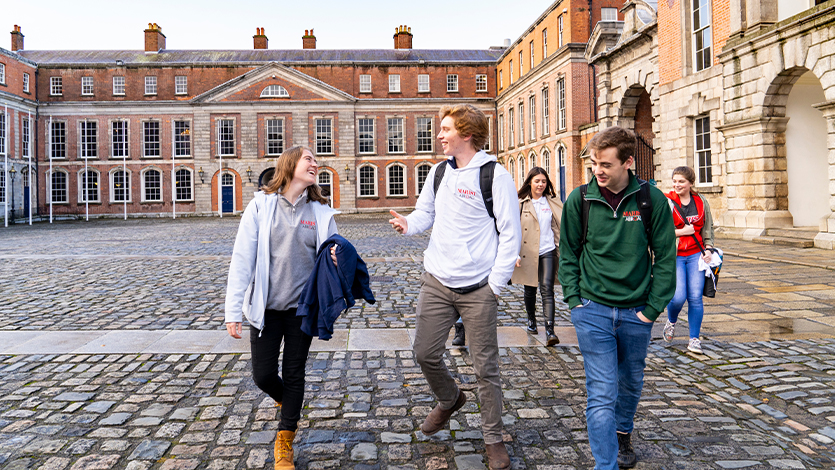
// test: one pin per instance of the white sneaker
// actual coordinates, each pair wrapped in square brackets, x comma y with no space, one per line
[695,346]
[669,331]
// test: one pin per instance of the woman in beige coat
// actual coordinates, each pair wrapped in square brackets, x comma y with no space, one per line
[538,259]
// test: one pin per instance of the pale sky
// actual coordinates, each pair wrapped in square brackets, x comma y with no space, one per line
[213,24]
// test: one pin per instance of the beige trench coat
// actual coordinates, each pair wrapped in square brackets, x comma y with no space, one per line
[528,273]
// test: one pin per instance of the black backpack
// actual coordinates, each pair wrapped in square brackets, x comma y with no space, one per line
[644,206]
[485,182]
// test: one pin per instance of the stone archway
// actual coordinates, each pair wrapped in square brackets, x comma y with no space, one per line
[636,114]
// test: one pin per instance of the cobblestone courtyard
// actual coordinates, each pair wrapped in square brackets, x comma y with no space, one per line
[761,396]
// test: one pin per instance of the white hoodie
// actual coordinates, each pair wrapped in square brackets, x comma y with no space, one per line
[464,247]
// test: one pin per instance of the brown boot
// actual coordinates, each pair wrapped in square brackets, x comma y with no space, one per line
[497,458]
[284,450]
[438,417]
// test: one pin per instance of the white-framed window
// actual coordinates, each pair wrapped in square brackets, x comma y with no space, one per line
[546,161]
[559,31]
[367,177]
[119,139]
[120,185]
[183,184]
[25,137]
[365,135]
[87,86]
[544,43]
[396,180]
[702,38]
[394,83]
[325,180]
[88,185]
[394,135]
[365,83]
[489,134]
[150,139]
[2,185]
[56,86]
[501,80]
[180,85]
[2,73]
[510,68]
[481,83]
[521,123]
[88,139]
[521,69]
[452,83]
[2,137]
[532,61]
[608,14]
[182,138]
[118,85]
[226,137]
[151,85]
[501,132]
[58,189]
[511,168]
[423,83]
[421,173]
[532,159]
[532,107]
[545,112]
[152,185]
[324,136]
[58,139]
[274,91]
[561,118]
[26,83]
[511,125]
[275,136]
[704,170]
[425,138]
[521,168]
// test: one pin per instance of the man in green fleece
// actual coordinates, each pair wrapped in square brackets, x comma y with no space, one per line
[615,290]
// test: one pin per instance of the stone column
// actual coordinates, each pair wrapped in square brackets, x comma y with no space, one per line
[826,238]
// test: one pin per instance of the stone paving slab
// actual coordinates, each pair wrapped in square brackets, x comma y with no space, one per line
[120,342]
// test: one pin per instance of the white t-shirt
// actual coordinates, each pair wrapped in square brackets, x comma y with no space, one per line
[544,215]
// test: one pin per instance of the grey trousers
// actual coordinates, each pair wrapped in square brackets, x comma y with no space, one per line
[436,312]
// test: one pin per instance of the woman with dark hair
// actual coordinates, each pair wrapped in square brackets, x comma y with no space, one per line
[275,252]
[694,229]
[536,266]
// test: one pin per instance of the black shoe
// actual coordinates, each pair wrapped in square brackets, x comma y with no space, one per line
[460,336]
[550,338]
[532,326]
[626,454]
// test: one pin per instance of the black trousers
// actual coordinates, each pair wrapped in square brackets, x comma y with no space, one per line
[289,387]
[547,273]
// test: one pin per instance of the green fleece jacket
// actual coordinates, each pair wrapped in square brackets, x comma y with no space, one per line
[614,267]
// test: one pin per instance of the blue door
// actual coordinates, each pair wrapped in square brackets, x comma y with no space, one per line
[227,192]
[561,157]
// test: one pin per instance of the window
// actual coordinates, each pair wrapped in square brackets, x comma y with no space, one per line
[511,168]
[88,190]
[423,83]
[368,180]
[3,184]
[58,186]
[182,138]
[561,104]
[2,136]
[56,86]
[511,124]
[25,137]
[26,83]
[608,14]
[325,179]
[544,43]
[480,82]
[275,136]
[151,85]
[532,107]
[87,86]
[119,186]
[2,73]
[396,176]
[182,183]
[324,136]
[533,160]
[545,115]
[119,139]
[489,134]
[701,31]
[521,168]
[501,131]
[394,83]
[274,91]
[150,139]
[226,137]
[88,139]
[559,31]
[394,135]
[532,61]
[546,160]
[501,80]
[704,172]
[118,85]
[521,123]
[180,85]
[59,139]
[452,83]
[365,127]
[521,70]
[365,83]
[424,134]
[510,68]
[421,173]
[152,186]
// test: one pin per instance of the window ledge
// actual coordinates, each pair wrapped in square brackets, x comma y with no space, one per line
[709,189]
[368,197]
[405,196]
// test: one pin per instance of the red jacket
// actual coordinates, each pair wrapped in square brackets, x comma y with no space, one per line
[686,245]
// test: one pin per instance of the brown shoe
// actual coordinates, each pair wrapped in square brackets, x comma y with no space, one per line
[284,450]
[497,458]
[438,418]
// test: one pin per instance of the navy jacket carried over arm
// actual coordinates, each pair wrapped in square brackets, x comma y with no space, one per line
[331,290]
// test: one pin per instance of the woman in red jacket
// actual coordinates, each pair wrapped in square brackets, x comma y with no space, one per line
[694,227]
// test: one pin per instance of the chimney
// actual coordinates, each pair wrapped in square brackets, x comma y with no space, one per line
[17,39]
[308,40]
[260,39]
[154,39]
[403,37]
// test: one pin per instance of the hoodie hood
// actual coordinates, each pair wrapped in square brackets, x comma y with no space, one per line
[480,158]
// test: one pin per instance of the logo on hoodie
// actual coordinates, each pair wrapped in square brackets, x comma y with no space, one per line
[632,216]
[308,224]
[465,193]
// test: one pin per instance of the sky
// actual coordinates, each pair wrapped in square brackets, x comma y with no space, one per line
[214,24]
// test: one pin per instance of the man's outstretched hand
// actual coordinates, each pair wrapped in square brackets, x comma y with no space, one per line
[399,222]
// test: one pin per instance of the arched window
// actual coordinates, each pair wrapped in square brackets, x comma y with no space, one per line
[2,182]
[183,184]
[533,160]
[324,179]
[367,180]
[396,180]
[120,185]
[546,161]
[522,173]
[227,180]
[421,173]
[88,186]
[58,186]
[151,185]
[511,168]
[274,91]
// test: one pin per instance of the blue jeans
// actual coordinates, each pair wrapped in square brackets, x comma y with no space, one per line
[614,343]
[689,285]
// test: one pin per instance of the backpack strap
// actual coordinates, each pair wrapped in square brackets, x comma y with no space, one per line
[439,175]
[584,213]
[485,182]
[645,208]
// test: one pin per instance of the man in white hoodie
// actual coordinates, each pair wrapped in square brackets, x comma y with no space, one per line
[469,260]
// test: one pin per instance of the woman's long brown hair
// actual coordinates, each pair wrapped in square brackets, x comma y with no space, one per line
[525,189]
[285,168]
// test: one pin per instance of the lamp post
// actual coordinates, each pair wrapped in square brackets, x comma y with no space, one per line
[249,173]
[347,172]
[12,174]
[201,173]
